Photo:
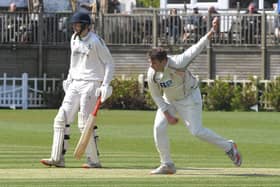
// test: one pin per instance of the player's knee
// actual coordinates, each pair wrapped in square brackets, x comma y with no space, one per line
[59,120]
[160,129]
[81,120]
[197,132]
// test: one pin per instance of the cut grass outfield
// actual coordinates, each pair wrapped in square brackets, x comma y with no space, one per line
[128,152]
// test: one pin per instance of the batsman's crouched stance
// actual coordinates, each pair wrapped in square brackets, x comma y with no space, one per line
[91,71]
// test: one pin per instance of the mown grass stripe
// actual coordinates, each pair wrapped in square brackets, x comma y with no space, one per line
[134,173]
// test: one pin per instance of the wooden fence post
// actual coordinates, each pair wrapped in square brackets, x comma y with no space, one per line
[4,87]
[211,73]
[264,66]
[155,25]
[40,47]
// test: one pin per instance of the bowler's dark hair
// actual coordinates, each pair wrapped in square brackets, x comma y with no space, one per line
[157,53]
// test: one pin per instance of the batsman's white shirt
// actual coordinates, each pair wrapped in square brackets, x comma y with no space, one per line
[89,59]
[177,90]
[91,65]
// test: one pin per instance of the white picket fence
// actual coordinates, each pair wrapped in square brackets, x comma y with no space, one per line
[25,92]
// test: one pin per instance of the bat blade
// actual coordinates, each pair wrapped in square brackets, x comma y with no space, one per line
[87,133]
[84,139]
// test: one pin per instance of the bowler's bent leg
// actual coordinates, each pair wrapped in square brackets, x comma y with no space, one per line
[191,111]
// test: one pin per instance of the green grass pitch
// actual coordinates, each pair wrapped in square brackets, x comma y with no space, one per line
[128,152]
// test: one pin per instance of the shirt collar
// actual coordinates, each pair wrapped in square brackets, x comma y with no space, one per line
[86,36]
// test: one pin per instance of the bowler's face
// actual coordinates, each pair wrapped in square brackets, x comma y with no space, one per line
[157,65]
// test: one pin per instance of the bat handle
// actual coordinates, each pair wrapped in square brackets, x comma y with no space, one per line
[98,103]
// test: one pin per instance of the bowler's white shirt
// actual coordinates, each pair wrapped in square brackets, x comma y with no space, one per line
[176,81]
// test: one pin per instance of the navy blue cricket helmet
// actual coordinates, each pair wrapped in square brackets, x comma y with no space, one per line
[80,17]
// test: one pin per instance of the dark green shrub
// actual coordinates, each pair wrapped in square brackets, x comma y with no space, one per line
[236,101]
[149,101]
[126,95]
[245,96]
[218,96]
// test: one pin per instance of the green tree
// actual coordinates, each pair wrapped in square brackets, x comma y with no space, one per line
[148,3]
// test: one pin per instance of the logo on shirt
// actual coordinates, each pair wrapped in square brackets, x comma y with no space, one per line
[166,84]
[80,53]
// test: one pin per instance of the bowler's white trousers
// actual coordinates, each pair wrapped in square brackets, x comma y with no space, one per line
[190,110]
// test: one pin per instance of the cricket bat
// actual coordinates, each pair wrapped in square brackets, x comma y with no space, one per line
[85,136]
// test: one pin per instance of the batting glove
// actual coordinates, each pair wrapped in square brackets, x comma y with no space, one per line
[105,91]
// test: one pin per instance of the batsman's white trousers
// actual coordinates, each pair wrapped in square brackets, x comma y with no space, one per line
[189,110]
[79,96]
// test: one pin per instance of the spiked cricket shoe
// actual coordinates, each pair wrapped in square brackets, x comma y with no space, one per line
[91,165]
[49,162]
[234,154]
[164,169]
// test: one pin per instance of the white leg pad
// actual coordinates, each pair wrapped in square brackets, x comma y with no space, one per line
[57,147]
[66,139]
[91,150]
[58,136]
[81,121]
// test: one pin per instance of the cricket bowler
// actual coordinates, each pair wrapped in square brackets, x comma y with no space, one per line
[90,73]
[175,90]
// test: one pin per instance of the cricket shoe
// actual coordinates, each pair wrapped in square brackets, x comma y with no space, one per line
[91,165]
[49,162]
[234,155]
[164,169]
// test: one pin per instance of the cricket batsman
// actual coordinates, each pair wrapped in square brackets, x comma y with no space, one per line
[91,71]
[175,90]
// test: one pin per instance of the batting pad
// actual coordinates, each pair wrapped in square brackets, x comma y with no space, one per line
[66,138]
[91,150]
[58,138]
